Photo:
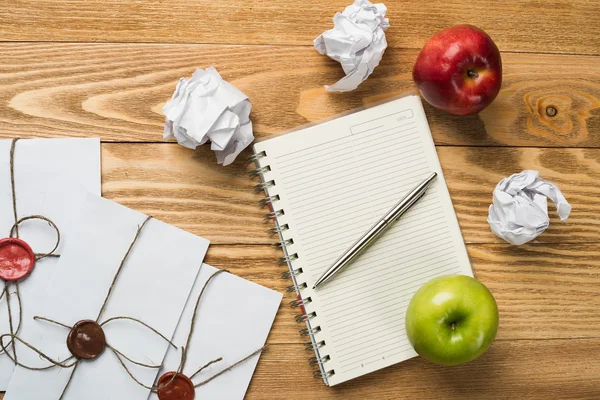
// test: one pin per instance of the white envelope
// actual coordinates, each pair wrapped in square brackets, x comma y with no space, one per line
[50,175]
[153,287]
[233,320]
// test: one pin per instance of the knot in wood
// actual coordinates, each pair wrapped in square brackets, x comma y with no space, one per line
[551,111]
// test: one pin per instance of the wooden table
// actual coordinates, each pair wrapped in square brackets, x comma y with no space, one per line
[82,68]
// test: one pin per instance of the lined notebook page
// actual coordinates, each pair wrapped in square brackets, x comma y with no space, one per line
[335,180]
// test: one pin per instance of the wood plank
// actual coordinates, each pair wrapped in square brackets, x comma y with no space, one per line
[516,25]
[188,189]
[542,291]
[117,92]
[546,369]
[523,369]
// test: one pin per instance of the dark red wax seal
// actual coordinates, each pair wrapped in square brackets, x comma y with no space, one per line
[16,259]
[180,388]
[86,340]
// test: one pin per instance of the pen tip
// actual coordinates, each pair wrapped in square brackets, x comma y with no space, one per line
[314,287]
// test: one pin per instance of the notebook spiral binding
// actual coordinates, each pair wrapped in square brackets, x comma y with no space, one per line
[286,243]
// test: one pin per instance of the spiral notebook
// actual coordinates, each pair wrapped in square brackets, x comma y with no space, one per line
[327,185]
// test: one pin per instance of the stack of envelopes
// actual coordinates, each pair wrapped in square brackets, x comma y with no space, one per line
[109,313]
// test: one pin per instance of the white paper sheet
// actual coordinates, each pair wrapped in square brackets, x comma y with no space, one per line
[519,212]
[233,320]
[357,41]
[207,107]
[50,175]
[153,287]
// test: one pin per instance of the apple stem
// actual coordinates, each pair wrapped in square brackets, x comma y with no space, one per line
[453,326]
[472,73]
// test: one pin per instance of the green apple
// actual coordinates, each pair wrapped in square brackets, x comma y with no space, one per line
[452,320]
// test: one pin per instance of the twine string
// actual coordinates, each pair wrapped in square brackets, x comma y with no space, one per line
[118,355]
[37,318]
[66,363]
[62,395]
[5,292]
[10,321]
[112,285]
[54,363]
[20,304]
[206,366]
[12,182]
[38,256]
[103,307]
[14,230]
[107,345]
[14,233]
[187,346]
[193,323]
[142,323]
[130,360]
[232,366]
[14,206]
[157,388]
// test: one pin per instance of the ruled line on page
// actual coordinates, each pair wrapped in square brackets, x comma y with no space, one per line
[413,174]
[376,333]
[326,145]
[336,240]
[413,283]
[323,255]
[316,174]
[344,154]
[362,222]
[321,173]
[381,293]
[355,198]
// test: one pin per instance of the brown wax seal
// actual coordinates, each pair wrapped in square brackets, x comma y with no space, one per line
[179,388]
[86,340]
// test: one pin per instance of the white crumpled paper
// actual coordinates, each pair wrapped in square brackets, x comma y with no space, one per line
[206,107]
[519,212]
[357,41]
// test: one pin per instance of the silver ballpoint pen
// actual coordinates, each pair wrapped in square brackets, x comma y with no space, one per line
[381,226]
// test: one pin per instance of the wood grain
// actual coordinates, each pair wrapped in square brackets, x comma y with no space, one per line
[187,188]
[515,25]
[545,369]
[117,92]
[520,369]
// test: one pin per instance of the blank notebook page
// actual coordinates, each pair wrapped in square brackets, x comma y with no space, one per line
[334,181]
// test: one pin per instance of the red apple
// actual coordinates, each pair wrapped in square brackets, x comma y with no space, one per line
[459,70]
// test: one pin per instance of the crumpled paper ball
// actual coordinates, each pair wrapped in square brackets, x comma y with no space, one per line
[206,107]
[357,41]
[519,212]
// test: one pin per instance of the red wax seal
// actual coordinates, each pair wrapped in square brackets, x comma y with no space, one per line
[16,259]
[86,340]
[180,388]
